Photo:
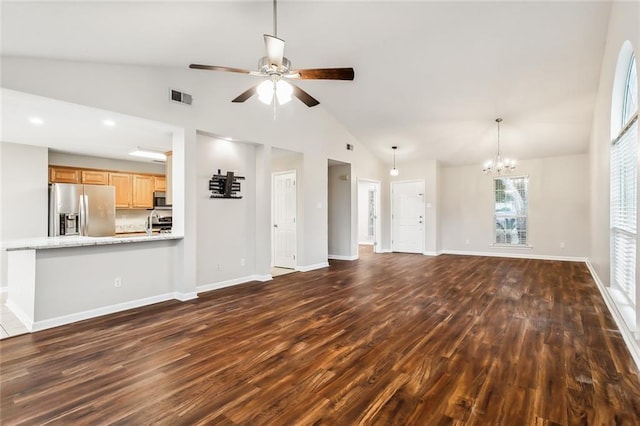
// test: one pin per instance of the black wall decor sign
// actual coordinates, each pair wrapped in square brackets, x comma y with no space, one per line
[225,186]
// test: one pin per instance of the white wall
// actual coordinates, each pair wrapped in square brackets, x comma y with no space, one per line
[226,227]
[340,211]
[558,208]
[624,25]
[24,201]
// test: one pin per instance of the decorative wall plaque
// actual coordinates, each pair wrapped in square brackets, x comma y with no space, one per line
[225,186]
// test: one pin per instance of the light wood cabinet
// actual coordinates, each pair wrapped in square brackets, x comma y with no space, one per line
[133,191]
[143,186]
[122,183]
[64,175]
[160,183]
[95,177]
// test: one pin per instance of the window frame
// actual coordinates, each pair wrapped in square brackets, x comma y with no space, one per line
[495,215]
[620,178]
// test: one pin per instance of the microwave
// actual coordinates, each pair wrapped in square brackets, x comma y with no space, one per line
[160,199]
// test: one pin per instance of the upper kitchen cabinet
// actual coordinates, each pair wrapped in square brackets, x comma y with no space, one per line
[143,187]
[122,183]
[160,183]
[64,175]
[95,177]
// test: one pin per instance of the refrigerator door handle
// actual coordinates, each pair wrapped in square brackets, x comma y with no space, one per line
[86,215]
[83,215]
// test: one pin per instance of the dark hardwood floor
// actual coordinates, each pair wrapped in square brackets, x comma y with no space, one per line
[389,339]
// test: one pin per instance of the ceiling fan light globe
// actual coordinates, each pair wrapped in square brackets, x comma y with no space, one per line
[265,91]
[284,92]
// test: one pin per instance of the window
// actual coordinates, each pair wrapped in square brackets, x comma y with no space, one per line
[624,177]
[511,210]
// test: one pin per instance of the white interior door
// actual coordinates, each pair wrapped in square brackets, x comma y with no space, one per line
[407,220]
[284,219]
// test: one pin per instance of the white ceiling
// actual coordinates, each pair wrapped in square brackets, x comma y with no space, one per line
[431,77]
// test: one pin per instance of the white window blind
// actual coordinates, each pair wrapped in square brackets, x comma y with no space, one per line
[624,177]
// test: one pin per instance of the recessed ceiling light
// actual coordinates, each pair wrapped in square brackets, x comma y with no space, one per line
[109,123]
[36,121]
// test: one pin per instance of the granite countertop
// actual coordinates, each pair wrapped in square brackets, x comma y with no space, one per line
[73,241]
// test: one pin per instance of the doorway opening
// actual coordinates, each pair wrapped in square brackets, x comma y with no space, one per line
[407,216]
[368,214]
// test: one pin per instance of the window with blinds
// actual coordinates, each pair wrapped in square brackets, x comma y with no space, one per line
[511,206]
[623,203]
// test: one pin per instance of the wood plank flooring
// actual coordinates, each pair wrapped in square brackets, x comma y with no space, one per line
[391,339]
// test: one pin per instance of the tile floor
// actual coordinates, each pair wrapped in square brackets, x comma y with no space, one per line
[9,324]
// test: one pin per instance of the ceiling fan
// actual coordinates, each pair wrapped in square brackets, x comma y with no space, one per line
[276,71]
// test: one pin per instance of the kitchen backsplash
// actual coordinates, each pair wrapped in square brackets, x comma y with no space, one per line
[135,220]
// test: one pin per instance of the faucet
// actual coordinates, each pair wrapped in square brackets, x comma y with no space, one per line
[150,221]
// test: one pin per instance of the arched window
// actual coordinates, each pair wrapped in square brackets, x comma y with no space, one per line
[624,176]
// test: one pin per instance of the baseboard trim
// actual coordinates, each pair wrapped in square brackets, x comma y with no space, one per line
[516,255]
[232,282]
[432,253]
[340,257]
[98,312]
[627,335]
[308,268]
[183,297]
[20,314]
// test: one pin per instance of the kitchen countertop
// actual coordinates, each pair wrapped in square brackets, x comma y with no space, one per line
[73,241]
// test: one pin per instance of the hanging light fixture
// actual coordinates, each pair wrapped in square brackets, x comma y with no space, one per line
[394,171]
[499,165]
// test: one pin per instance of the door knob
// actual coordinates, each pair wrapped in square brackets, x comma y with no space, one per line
[275,226]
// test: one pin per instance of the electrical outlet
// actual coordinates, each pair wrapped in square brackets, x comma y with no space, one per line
[118,282]
[468,242]
[562,244]
[217,266]
[243,262]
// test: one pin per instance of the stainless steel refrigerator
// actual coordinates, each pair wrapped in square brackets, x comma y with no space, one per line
[86,210]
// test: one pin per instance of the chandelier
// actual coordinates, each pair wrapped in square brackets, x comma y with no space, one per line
[499,165]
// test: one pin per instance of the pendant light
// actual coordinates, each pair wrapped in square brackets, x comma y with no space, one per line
[499,165]
[394,172]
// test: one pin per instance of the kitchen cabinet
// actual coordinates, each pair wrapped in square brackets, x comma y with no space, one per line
[143,186]
[63,175]
[95,177]
[122,183]
[159,183]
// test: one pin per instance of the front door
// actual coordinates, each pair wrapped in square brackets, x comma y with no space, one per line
[407,216]
[284,219]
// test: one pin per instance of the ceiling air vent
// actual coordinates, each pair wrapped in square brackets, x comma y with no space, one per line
[177,96]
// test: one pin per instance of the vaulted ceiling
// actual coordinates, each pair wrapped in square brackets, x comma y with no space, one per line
[431,77]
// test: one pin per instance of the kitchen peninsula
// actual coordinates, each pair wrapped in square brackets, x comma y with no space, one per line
[60,280]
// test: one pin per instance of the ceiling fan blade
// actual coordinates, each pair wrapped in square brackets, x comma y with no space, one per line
[306,98]
[217,68]
[275,49]
[324,74]
[246,94]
